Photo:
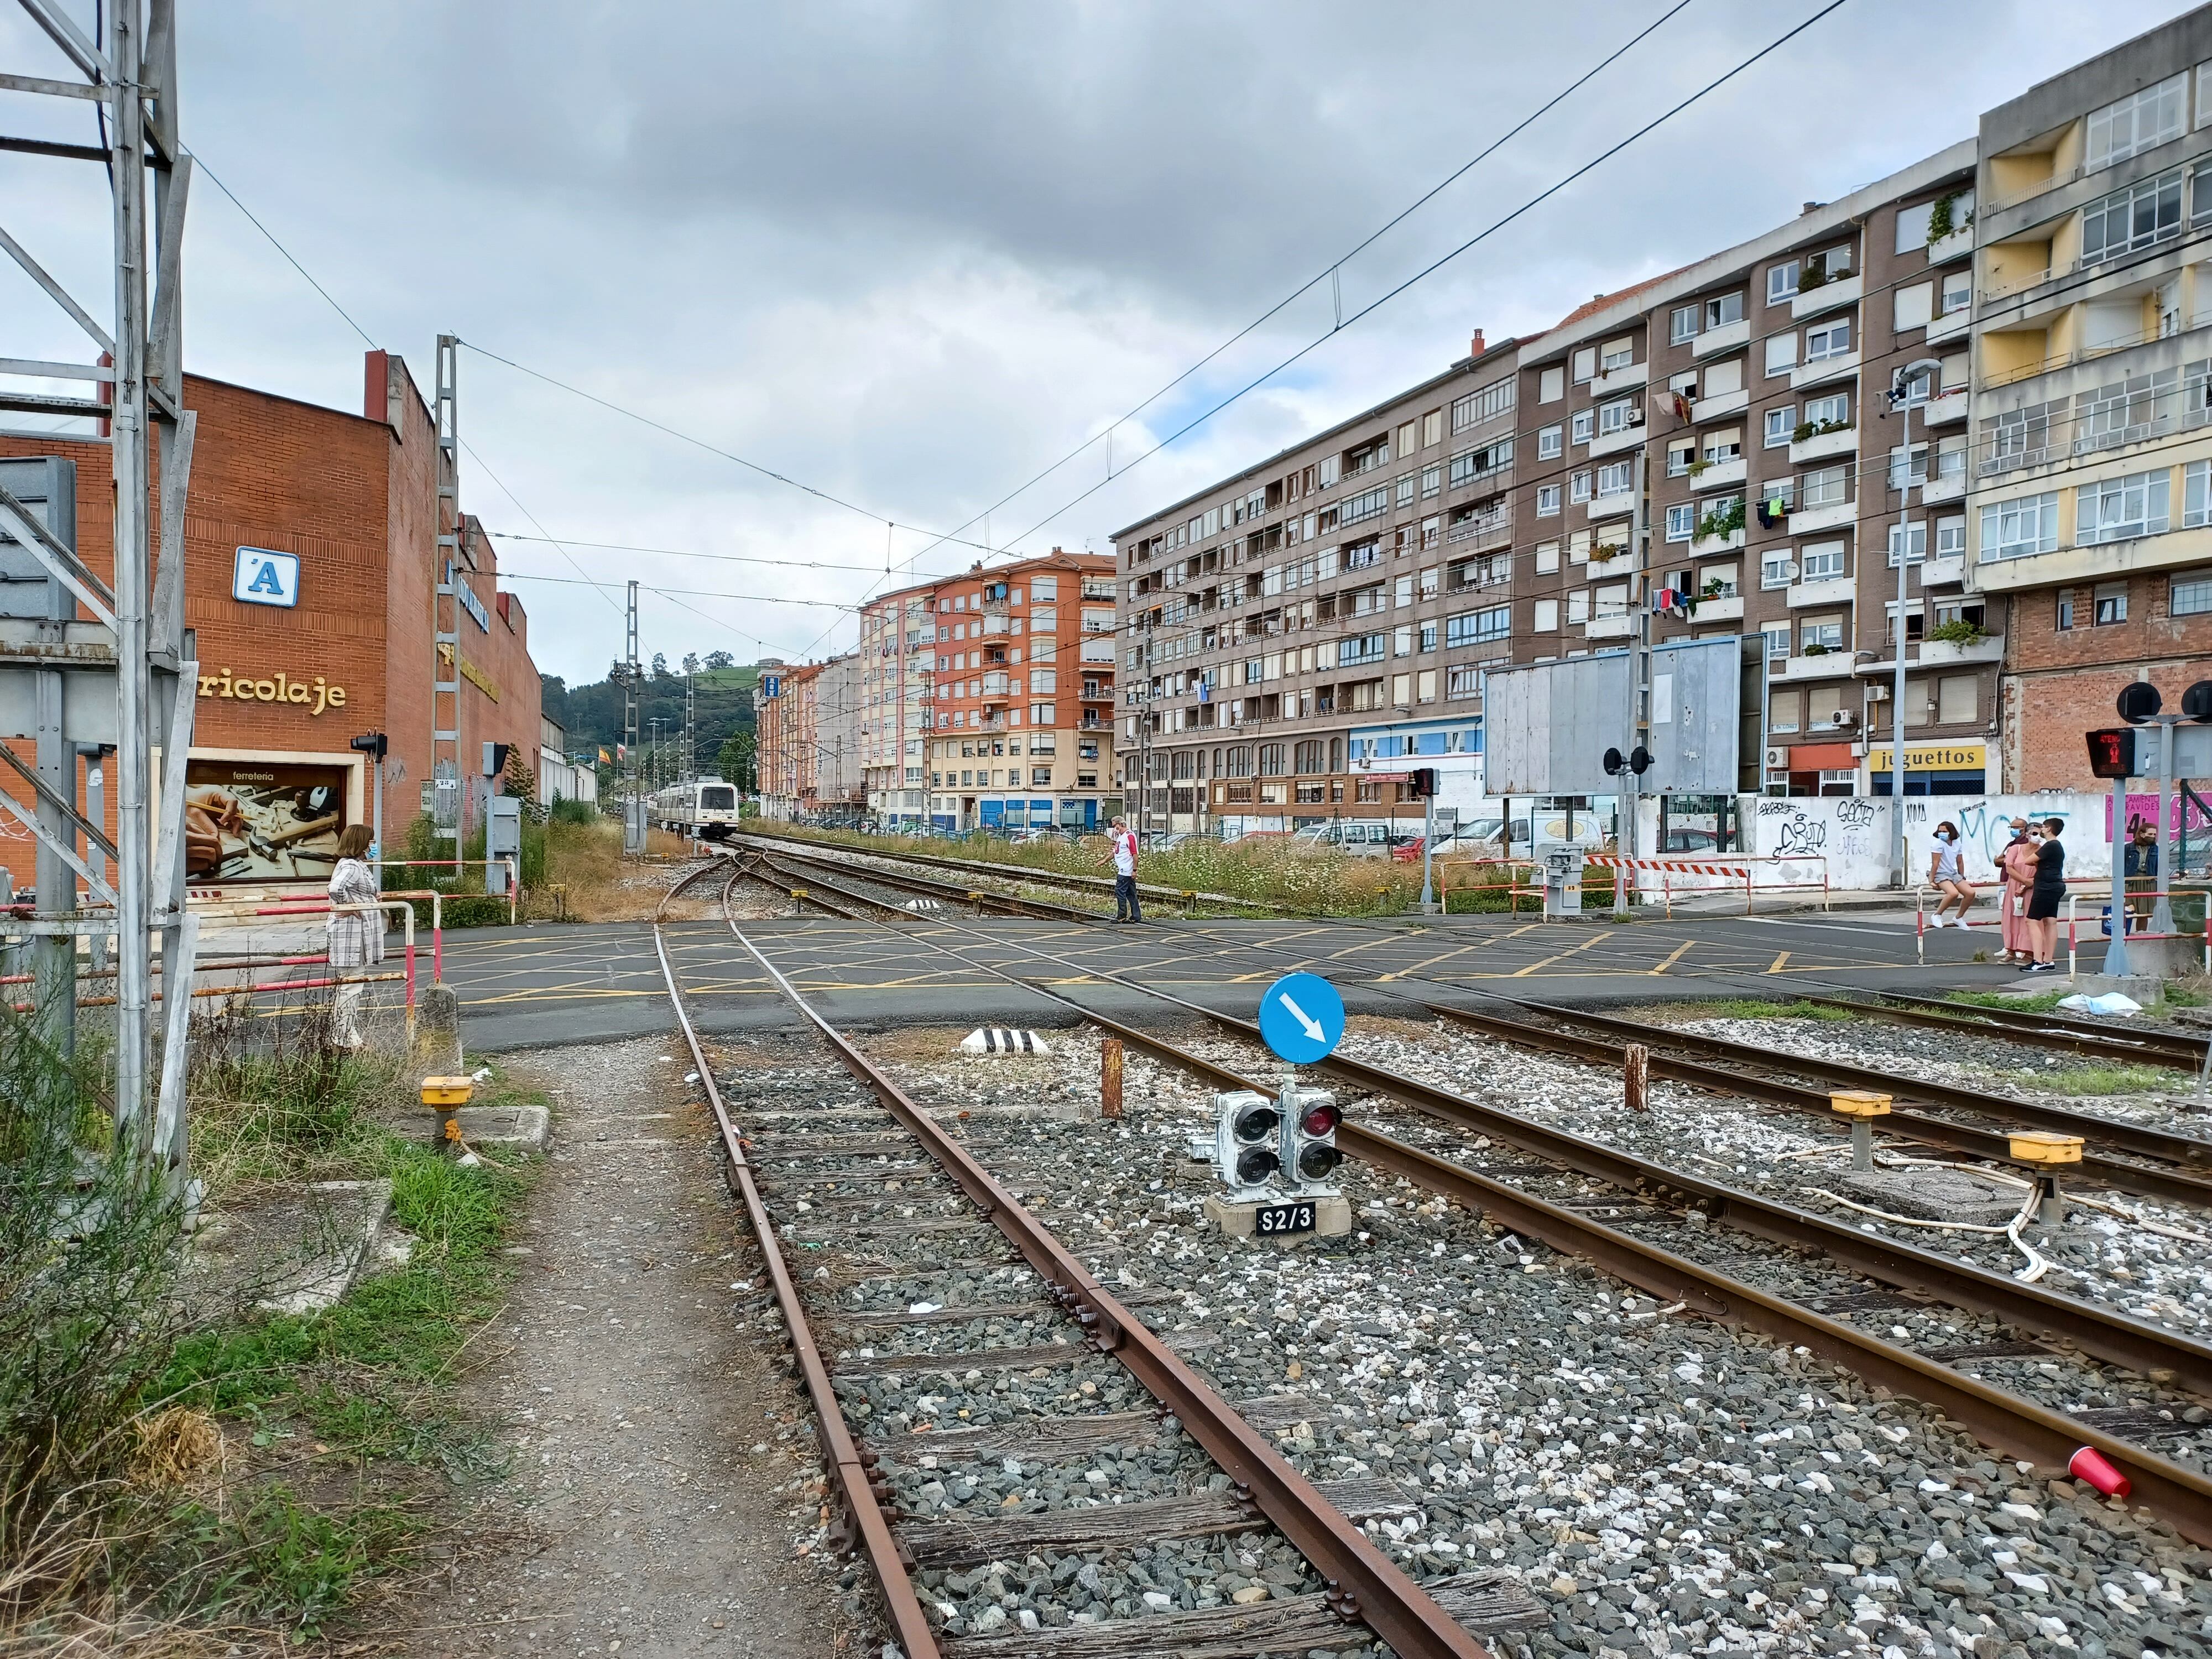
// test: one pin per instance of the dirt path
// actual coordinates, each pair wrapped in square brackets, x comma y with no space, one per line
[658,1488]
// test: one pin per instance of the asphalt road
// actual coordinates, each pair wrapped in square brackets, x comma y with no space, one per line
[536,987]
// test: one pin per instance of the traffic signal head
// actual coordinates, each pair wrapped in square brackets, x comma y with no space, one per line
[2197,702]
[1422,783]
[1245,1154]
[371,742]
[1639,760]
[1308,1152]
[1615,762]
[2112,753]
[2139,701]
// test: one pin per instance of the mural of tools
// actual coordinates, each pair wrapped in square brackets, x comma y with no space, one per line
[254,821]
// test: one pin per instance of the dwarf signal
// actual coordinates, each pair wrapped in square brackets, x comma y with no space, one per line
[1261,1143]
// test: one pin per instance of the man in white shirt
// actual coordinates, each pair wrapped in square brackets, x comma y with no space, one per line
[1125,872]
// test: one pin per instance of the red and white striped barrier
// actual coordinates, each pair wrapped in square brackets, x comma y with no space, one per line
[1727,868]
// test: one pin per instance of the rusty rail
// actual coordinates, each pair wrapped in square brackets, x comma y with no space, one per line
[1363,1585]
[2017,1426]
[840,1455]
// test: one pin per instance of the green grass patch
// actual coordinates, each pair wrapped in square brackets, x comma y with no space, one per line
[2042,1002]
[2105,1080]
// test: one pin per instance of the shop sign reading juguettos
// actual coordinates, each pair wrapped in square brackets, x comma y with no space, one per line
[242,687]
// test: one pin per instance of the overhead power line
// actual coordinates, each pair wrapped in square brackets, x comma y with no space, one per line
[1435,265]
[1332,269]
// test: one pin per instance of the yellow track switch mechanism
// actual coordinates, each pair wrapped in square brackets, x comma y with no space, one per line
[448,1095]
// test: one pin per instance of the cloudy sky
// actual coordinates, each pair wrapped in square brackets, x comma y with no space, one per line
[914,254]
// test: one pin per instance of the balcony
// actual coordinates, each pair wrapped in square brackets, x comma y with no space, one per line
[1719,406]
[1830,665]
[1620,379]
[1806,520]
[1728,337]
[1609,628]
[1843,441]
[1720,474]
[1946,408]
[1612,507]
[1987,648]
[1943,572]
[1829,296]
[1823,590]
[1957,246]
[1612,443]
[1733,541]
[1947,487]
[1823,370]
[1723,610]
[1619,564]
[1952,326]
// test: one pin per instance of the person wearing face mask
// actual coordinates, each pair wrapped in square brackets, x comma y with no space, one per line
[2016,869]
[2045,896]
[1946,873]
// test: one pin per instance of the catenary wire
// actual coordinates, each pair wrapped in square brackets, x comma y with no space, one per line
[1315,280]
[1438,264]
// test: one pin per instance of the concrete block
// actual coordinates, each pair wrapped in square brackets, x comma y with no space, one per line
[1933,1194]
[2147,988]
[292,1250]
[530,1128]
[1332,1217]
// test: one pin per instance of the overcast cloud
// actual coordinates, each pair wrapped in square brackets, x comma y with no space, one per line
[912,254]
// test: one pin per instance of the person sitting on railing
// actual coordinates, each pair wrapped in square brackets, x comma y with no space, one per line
[357,937]
[1946,873]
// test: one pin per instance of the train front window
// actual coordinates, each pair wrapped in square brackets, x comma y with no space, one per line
[717,801]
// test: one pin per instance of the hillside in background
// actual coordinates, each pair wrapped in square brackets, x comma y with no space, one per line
[722,705]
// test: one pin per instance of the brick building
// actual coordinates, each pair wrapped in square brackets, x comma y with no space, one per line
[896,662]
[1021,704]
[310,563]
[2091,510]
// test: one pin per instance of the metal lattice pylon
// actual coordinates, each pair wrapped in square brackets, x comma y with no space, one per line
[448,810]
[130,670]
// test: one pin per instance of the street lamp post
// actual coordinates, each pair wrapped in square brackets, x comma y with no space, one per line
[1921,371]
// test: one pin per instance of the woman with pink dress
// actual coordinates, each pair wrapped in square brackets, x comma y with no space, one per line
[2016,868]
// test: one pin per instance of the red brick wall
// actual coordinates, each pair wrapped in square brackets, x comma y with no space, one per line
[2062,685]
[391,398]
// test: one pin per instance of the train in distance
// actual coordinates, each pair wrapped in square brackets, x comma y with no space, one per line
[704,807]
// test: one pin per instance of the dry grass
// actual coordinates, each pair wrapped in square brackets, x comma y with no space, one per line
[917,1045]
[587,858]
[175,1448]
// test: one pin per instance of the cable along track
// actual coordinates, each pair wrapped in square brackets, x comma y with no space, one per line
[1086,1329]
[2018,1427]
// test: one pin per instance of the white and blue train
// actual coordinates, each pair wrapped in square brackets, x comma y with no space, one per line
[706,808]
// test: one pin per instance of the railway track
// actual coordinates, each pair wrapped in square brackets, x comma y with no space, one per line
[1238,1485]
[2145,1047]
[2038,1319]
[1972,1123]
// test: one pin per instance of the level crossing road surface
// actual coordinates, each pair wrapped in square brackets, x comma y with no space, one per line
[543,986]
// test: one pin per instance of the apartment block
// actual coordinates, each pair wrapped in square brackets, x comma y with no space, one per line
[1020,709]
[2090,520]
[897,657]
[1292,634]
[1750,389]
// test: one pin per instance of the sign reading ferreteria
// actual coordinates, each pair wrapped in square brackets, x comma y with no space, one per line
[313,696]
[1931,757]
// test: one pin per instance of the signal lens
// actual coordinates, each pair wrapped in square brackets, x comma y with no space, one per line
[1257,1122]
[1254,1165]
[1321,1121]
[1316,1163]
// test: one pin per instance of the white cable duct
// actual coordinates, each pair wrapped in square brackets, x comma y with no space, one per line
[2037,1266]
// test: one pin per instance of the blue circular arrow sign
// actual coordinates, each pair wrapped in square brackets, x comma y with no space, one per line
[1301,1017]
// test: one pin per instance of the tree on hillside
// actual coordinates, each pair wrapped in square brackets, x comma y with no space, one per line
[660,665]
[735,762]
[720,660]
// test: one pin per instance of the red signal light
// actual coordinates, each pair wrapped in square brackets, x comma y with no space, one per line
[2112,753]
[1321,1121]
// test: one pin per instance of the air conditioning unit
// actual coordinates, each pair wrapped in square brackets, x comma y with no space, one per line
[1844,720]
[1877,692]
[1776,759]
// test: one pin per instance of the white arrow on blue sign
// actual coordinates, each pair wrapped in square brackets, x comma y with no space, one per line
[1301,1017]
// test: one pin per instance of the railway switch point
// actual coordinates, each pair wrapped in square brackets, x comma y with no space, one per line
[2050,1151]
[446,1096]
[1862,1106]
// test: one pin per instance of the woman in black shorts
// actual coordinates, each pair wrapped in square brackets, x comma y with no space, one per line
[2042,898]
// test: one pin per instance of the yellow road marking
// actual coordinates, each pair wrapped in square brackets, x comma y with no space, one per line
[1680,953]
[1545,961]
[1779,959]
